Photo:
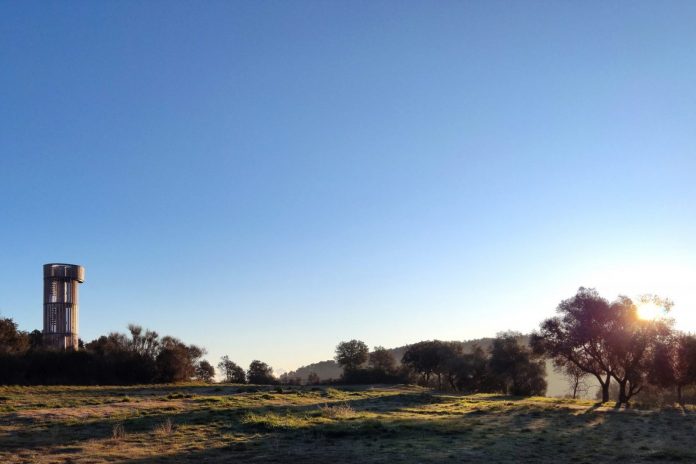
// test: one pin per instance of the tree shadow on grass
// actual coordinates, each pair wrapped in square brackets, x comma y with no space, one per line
[509,431]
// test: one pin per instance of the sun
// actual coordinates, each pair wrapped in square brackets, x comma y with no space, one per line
[649,310]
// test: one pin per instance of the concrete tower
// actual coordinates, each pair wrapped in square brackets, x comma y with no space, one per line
[61,304]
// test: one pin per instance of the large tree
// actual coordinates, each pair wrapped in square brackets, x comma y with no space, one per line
[631,343]
[352,354]
[579,336]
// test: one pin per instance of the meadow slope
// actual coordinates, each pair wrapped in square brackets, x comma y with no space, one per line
[228,423]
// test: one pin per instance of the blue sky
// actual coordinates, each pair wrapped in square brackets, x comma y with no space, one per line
[267,179]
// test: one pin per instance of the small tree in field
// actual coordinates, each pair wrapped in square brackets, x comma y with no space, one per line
[576,379]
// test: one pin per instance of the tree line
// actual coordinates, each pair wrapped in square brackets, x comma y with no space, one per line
[590,337]
[506,367]
[139,357]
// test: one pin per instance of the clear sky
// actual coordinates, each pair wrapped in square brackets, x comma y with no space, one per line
[267,179]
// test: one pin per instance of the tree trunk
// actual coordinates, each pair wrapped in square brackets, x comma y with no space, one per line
[623,398]
[605,387]
[632,391]
[450,379]
[680,396]
[575,386]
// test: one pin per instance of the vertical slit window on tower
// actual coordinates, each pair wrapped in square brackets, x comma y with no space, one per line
[52,316]
[54,292]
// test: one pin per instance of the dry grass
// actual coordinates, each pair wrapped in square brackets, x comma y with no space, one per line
[202,423]
[338,411]
[118,432]
[164,428]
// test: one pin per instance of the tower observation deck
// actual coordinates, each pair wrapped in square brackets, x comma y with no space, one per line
[61,304]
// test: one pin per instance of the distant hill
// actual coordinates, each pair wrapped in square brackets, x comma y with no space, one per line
[327,370]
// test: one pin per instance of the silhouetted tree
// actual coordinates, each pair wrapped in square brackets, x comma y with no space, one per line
[513,368]
[110,344]
[204,371]
[230,371]
[432,357]
[422,358]
[576,379]
[630,345]
[351,355]
[177,361]
[580,336]
[260,373]
[36,340]
[382,360]
[144,343]
[673,363]
[468,371]
[12,340]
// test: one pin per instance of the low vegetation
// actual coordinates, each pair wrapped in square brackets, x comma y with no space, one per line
[400,424]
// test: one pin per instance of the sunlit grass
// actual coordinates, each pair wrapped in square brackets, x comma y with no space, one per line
[224,423]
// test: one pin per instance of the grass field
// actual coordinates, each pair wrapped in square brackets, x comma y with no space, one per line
[227,423]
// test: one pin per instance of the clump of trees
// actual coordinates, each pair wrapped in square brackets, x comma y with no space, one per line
[258,373]
[141,356]
[508,367]
[610,342]
[360,366]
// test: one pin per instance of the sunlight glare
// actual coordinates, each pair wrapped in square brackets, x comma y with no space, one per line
[649,311]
